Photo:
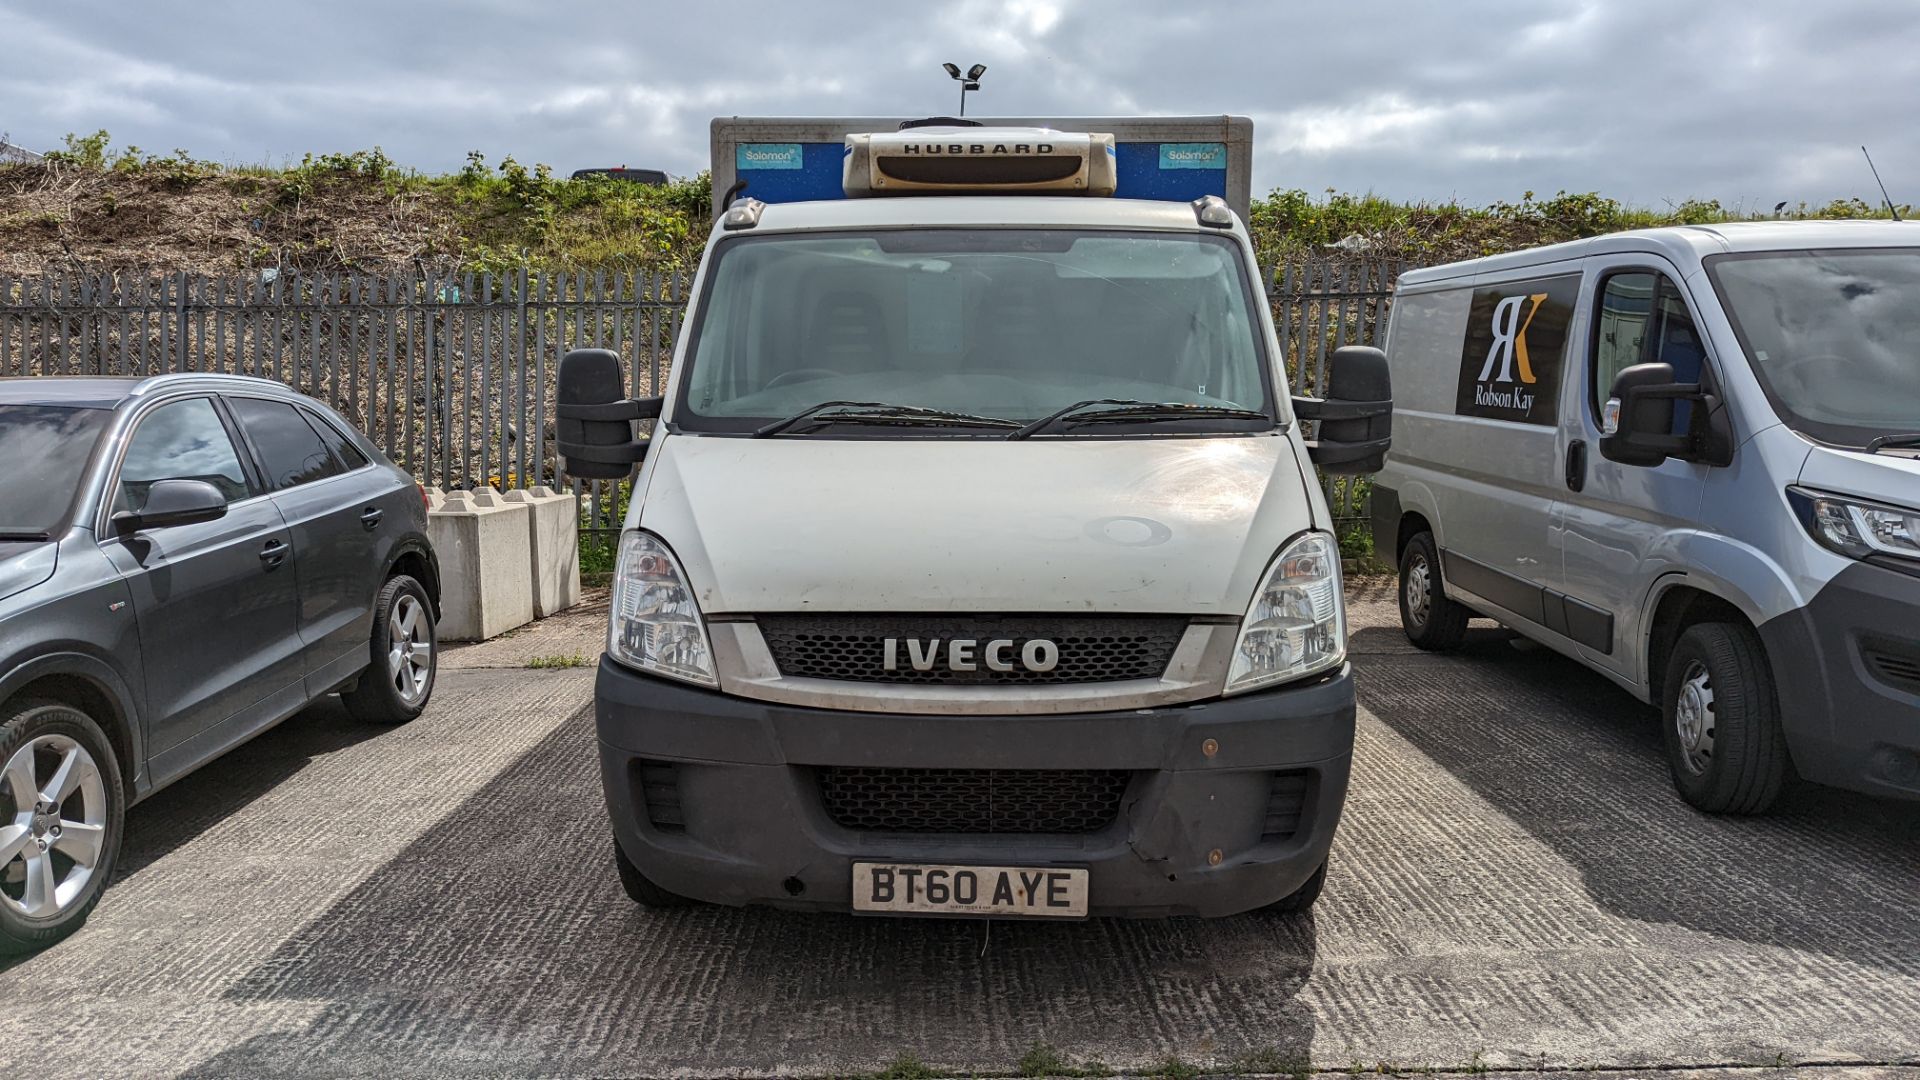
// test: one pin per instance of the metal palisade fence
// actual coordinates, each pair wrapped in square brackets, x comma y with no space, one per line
[453,374]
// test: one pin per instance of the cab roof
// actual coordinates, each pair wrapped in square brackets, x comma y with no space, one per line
[987,211]
[1686,245]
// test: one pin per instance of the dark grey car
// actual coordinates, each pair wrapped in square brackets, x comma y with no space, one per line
[185,561]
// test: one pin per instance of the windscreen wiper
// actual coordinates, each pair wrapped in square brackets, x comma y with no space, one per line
[879,412]
[1875,445]
[22,537]
[1132,411]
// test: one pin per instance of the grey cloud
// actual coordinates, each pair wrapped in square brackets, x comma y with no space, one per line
[1745,102]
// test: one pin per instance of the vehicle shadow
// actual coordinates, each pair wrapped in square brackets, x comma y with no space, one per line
[1578,763]
[226,785]
[500,941]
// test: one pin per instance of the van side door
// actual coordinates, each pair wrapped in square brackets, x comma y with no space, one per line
[1493,462]
[1621,526]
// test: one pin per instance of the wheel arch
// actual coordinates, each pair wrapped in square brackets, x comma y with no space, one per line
[415,558]
[91,685]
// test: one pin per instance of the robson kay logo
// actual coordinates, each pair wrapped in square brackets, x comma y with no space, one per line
[1515,348]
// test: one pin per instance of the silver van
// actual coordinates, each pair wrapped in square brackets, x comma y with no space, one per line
[1687,458]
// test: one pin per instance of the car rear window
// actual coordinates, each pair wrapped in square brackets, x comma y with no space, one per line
[291,452]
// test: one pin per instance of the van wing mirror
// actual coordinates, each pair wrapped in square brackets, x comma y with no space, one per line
[173,502]
[1356,416]
[593,418]
[1637,422]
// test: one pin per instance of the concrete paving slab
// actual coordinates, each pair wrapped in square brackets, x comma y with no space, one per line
[1515,887]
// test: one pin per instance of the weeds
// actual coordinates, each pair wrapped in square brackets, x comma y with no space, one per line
[550,662]
[906,1067]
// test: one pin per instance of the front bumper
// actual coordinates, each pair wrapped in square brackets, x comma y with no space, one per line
[747,823]
[1843,668]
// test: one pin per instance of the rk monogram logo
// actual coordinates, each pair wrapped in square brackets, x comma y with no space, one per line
[1513,349]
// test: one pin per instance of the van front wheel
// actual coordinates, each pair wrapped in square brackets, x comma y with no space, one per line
[1721,721]
[1430,619]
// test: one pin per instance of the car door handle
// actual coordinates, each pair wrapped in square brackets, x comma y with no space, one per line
[370,517]
[274,553]
[1576,464]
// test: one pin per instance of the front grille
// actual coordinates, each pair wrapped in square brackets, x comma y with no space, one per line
[851,648]
[1286,805]
[1893,664]
[1057,801]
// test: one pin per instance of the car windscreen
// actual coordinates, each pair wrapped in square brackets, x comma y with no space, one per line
[1005,323]
[1833,335]
[45,448]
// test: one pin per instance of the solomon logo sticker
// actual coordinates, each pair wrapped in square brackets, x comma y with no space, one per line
[1515,347]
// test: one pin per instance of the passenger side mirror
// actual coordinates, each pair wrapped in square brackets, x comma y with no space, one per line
[173,502]
[1637,422]
[594,417]
[1356,416]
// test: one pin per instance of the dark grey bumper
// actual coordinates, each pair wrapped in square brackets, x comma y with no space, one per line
[754,829]
[1851,719]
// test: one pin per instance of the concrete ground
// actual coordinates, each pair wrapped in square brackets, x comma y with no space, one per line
[1515,887]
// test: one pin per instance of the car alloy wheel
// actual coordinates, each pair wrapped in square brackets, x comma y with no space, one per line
[409,648]
[52,841]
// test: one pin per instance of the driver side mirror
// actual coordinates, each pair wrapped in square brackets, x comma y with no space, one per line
[1637,421]
[1356,416]
[173,502]
[593,419]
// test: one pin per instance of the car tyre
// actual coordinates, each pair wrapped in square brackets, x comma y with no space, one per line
[1301,899]
[404,655]
[44,842]
[1431,621]
[641,889]
[1721,721]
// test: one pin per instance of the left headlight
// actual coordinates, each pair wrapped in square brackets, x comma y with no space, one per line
[656,624]
[1857,528]
[1297,624]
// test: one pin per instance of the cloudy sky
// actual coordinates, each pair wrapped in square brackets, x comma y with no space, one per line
[1746,101]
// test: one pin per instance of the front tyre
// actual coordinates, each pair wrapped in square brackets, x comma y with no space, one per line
[1431,620]
[641,889]
[404,655]
[62,812]
[1302,898]
[1721,721]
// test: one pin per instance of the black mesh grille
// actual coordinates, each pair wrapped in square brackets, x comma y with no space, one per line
[659,784]
[1286,805]
[1056,801]
[852,648]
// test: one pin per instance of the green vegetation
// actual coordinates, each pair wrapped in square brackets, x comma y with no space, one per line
[1042,1060]
[907,1067]
[107,206]
[546,662]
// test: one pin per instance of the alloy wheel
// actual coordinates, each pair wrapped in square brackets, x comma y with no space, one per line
[409,648]
[53,803]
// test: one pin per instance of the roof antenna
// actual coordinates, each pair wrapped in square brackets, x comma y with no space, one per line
[1891,209]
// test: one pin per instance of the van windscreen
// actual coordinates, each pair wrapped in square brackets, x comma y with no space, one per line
[1834,336]
[1005,323]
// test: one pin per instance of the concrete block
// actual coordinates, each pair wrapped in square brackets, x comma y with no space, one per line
[553,531]
[484,542]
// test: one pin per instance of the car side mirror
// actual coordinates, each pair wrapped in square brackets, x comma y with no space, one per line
[1356,416]
[593,419]
[173,502]
[1636,425]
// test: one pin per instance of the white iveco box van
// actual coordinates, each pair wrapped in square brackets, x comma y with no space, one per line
[977,564]
[1687,458]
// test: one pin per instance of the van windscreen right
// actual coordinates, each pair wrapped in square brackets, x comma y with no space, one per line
[1833,335]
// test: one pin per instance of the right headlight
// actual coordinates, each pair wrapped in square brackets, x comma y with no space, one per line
[656,624]
[1855,527]
[1297,624]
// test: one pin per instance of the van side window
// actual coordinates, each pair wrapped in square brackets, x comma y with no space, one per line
[1644,320]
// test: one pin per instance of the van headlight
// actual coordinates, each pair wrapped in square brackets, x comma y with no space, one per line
[1297,624]
[1856,528]
[656,625]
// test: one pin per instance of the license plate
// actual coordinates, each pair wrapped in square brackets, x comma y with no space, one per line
[933,889]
